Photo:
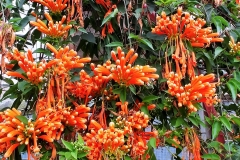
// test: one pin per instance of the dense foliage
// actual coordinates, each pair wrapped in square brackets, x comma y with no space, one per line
[115,79]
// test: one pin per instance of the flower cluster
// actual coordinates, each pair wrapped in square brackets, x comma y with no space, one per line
[235,47]
[183,25]
[179,28]
[56,30]
[122,71]
[201,89]
[67,59]
[55,6]
[125,137]
[33,72]
[14,132]
[87,86]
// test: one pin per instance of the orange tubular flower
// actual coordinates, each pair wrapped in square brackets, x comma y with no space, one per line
[56,30]
[105,3]
[87,86]
[14,132]
[68,59]
[199,90]
[54,6]
[125,137]
[123,73]
[181,27]
[34,72]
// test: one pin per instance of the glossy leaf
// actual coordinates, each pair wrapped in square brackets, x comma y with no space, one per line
[110,16]
[216,127]
[226,123]
[122,93]
[68,145]
[152,142]
[89,37]
[217,52]
[236,120]
[150,98]
[233,90]
[211,156]
[114,44]
[22,119]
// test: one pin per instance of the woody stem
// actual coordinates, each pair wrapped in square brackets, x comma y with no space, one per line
[130,42]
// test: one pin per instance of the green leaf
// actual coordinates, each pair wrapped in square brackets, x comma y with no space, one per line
[11,90]
[180,121]
[146,42]
[68,155]
[141,40]
[236,83]
[152,142]
[211,156]
[217,52]
[42,50]
[218,24]
[150,98]
[214,144]
[133,36]
[82,30]
[223,21]
[226,123]
[25,21]
[75,154]
[8,81]
[21,147]
[145,110]
[122,92]
[75,39]
[80,139]
[233,90]
[236,120]
[193,120]
[89,37]
[132,89]
[22,85]
[68,145]
[153,36]
[109,17]
[82,154]
[236,75]
[127,158]
[17,102]
[114,44]
[216,127]
[22,119]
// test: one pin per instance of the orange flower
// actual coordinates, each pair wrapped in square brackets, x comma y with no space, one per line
[123,73]
[182,27]
[235,47]
[54,6]
[199,90]
[67,59]
[237,1]
[34,72]
[105,3]
[56,30]
[87,86]
[181,24]
[15,132]
[127,136]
